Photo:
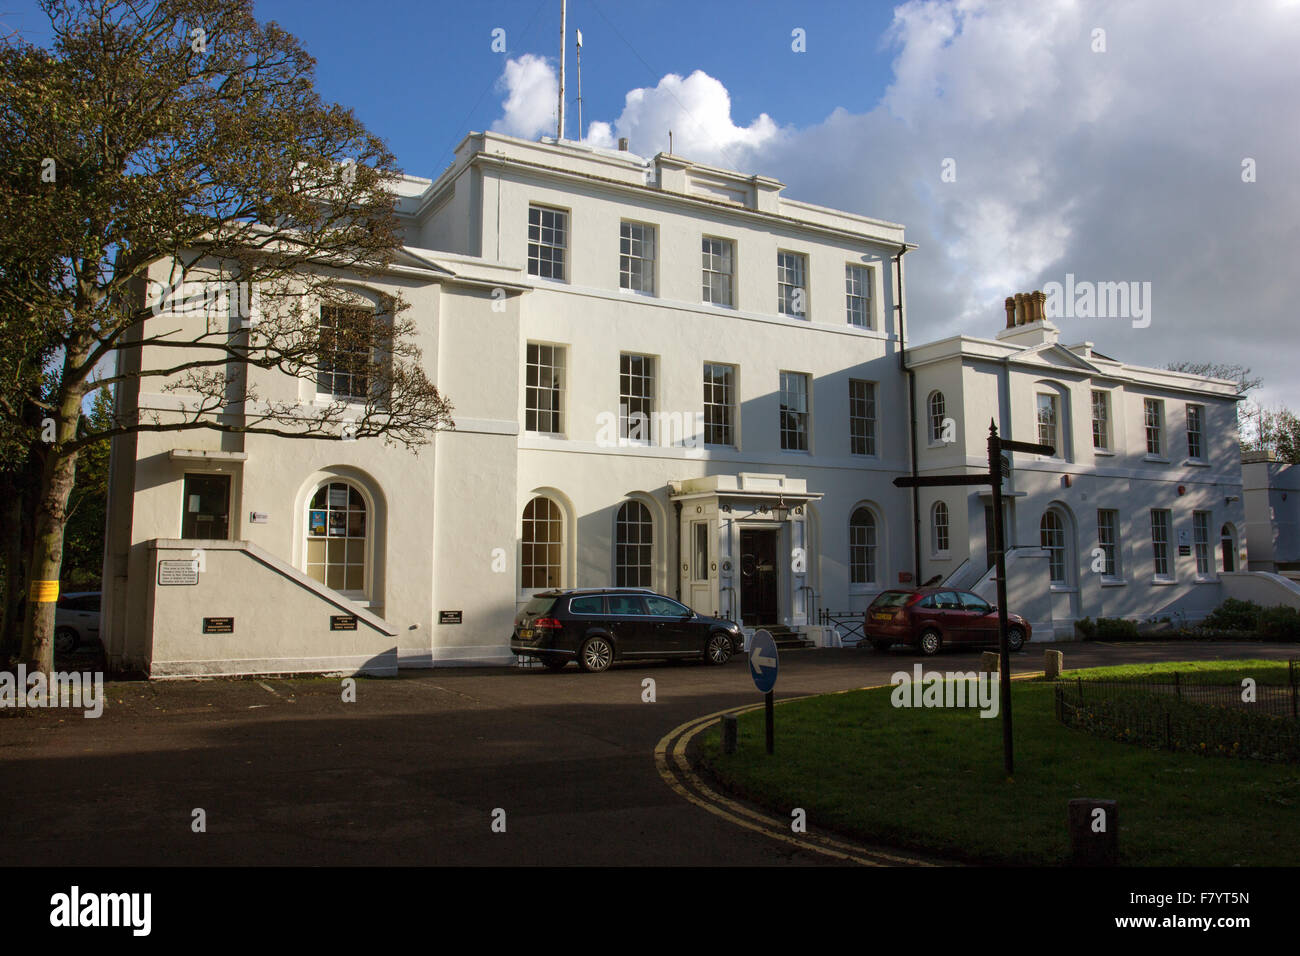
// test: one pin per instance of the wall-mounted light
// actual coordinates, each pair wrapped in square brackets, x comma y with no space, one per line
[1182,490]
[781,511]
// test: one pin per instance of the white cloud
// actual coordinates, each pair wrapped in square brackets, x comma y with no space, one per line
[1122,165]
[532,97]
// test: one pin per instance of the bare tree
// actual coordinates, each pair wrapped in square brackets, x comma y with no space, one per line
[183,132]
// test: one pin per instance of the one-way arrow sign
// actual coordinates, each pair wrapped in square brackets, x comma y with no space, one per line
[763,661]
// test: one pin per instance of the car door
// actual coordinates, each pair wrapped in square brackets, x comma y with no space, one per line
[671,632]
[952,617]
[981,623]
[633,632]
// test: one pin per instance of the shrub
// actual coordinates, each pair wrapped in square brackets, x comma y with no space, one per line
[1234,615]
[1085,628]
[1279,623]
[1116,629]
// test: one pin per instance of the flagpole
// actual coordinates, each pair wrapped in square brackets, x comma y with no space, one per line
[579,54]
[564,34]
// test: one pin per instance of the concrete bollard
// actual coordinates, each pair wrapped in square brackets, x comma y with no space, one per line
[1094,832]
[730,733]
[1053,664]
[990,662]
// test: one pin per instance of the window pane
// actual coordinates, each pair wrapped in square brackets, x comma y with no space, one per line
[719,400]
[794,411]
[547,239]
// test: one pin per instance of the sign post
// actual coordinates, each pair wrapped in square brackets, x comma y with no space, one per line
[999,468]
[763,665]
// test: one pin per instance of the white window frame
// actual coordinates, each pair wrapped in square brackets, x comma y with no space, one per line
[940,533]
[725,255]
[1054,438]
[637,243]
[857,289]
[791,275]
[1110,549]
[1201,544]
[558,369]
[332,394]
[367,537]
[804,417]
[1198,433]
[1153,423]
[625,520]
[1056,549]
[1104,420]
[636,395]
[870,545]
[865,403]
[936,411]
[1160,545]
[535,260]
[559,520]
[729,389]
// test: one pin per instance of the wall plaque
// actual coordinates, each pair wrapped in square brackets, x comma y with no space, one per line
[177,572]
[218,625]
[450,617]
[343,622]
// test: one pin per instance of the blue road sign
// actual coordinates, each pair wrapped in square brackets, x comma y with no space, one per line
[763,662]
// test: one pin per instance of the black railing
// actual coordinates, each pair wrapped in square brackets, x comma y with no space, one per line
[848,623]
[1260,721]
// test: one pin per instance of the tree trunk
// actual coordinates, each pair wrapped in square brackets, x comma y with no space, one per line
[51,500]
[11,629]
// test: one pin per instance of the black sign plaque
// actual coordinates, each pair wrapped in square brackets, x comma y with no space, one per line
[343,622]
[218,625]
[450,617]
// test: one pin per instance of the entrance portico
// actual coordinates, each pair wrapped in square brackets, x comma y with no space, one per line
[746,549]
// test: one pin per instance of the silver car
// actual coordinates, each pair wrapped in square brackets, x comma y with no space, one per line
[76,621]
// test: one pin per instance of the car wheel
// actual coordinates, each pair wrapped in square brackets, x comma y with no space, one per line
[596,655]
[931,641]
[1015,638]
[65,640]
[882,646]
[718,649]
[553,663]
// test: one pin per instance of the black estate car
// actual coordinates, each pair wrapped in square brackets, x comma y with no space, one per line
[598,626]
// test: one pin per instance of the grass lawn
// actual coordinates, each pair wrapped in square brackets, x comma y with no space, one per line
[932,779]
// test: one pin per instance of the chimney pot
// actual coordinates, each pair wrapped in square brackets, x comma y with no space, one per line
[1011,312]
[622,144]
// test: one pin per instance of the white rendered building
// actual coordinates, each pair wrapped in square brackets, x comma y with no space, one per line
[665,375]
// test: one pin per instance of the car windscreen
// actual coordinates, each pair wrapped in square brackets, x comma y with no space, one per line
[892,599]
[539,605]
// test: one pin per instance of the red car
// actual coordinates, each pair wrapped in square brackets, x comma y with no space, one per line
[929,618]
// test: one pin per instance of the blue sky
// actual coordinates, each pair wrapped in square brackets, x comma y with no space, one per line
[440,73]
[1101,139]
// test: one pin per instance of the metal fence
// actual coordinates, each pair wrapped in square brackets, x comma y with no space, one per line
[1173,713]
[848,623]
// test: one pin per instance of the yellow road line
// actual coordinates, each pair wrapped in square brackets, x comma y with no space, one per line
[732,811]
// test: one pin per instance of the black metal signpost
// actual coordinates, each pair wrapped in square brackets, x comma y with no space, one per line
[999,468]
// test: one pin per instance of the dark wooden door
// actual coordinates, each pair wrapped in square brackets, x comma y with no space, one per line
[759,577]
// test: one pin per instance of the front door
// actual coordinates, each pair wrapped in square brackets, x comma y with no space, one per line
[206,511]
[759,577]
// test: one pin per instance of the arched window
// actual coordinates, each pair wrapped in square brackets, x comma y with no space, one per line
[337,538]
[1228,547]
[1052,532]
[543,539]
[938,411]
[633,546]
[939,522]
[862,547]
